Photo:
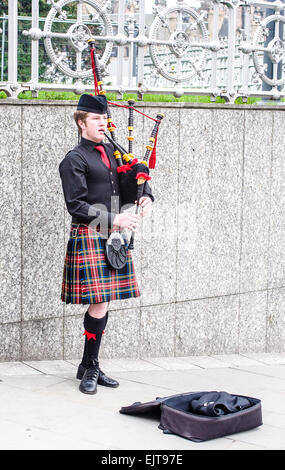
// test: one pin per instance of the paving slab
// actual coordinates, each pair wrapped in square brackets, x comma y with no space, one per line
[207,362]
[237,360]
[114,365]
[267,358]
[59,368]
[174,363]
[17,369]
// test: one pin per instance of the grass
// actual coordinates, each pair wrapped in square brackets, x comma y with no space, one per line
[66,95]
[55,95]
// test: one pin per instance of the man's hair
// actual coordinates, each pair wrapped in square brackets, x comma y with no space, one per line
[80,115]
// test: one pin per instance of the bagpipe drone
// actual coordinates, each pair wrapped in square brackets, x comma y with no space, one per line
[133,173]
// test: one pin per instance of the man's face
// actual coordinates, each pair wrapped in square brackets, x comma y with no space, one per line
[94,127]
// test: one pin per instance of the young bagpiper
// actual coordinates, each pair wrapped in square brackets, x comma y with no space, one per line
[91,190]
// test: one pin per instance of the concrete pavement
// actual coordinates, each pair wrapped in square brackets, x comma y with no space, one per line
[42,408]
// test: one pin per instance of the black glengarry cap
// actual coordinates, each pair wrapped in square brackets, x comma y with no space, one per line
[92,104]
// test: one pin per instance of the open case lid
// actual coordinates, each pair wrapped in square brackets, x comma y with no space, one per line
[151,406]
[142,408]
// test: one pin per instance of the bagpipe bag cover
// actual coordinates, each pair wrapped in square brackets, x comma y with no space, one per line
[129,184]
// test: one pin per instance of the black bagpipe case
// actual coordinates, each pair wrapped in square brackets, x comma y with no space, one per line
[201,416]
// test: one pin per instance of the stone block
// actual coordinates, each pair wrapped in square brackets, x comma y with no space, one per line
[42,339]
[73,335]
[209,203]
[121,338]
[10,342]
[225,202]
[42,212]
[276,249]
[10,210]
[207,326]
[256,200]
[69,129]
[252,322]
[275,331]
[157,330]
[159,236]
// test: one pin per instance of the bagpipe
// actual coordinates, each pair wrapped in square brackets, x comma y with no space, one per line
[133,173]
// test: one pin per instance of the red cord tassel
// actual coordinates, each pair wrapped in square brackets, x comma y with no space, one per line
[152,160]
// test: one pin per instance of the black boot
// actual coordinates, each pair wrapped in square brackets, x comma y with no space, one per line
[90,377]
[107,381]
[93,331]
[102,379]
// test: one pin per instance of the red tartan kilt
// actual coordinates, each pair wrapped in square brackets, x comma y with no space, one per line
[87,279]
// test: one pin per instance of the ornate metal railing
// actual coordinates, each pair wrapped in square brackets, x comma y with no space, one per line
[227,48]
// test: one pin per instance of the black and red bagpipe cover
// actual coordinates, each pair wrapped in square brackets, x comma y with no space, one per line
[128,180]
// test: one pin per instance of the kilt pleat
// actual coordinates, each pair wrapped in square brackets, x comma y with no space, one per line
[87,279]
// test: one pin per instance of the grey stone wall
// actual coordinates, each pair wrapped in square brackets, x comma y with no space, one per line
[210,259]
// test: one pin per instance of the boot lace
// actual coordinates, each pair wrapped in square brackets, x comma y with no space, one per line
[92,370]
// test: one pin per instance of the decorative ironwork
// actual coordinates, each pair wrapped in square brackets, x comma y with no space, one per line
[275,49]
[224,50]
[77,35]
[179,43]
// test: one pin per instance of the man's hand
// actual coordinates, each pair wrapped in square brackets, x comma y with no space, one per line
[126,220]
[131,221]
[145,204]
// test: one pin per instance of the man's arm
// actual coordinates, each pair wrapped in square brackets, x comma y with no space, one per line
[73,170]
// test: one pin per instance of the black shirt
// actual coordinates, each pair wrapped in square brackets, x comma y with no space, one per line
[91,190]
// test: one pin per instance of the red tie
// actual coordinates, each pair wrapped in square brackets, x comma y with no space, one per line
[104,157]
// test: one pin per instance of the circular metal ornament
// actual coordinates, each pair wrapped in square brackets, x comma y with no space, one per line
[180,43]
[275,49]
[77,36]
[183,26]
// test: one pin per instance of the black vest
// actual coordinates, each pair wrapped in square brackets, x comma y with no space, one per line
[86,181]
